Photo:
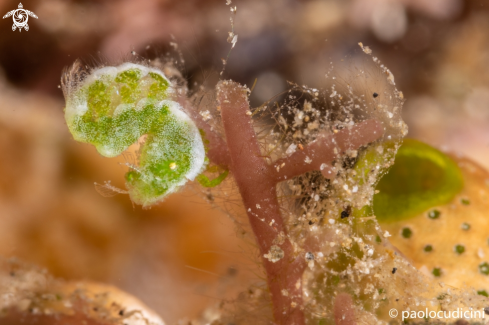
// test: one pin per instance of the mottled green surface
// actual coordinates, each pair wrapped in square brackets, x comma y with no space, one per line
[422,177]
[120,109]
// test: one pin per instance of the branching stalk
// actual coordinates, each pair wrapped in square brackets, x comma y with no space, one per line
[257,182]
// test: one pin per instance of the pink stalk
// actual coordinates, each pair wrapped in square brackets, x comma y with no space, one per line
[257,182]
[321,151]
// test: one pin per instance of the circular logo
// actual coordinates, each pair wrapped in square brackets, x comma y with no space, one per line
[393,313]
[20,18]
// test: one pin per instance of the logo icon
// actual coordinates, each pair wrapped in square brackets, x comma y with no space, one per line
[20,17]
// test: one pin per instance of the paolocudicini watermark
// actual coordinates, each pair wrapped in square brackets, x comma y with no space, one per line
[441,314]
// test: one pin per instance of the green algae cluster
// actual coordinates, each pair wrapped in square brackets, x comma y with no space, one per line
[115,106]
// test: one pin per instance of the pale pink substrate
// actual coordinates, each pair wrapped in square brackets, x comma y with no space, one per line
[344,314]
[257,181]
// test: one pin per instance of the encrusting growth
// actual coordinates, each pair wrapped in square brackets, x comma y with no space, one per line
[257,182]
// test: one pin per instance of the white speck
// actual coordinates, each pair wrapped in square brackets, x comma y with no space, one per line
[258,206]
[275,254]
[345,187]
[308,160]
[316,197]
[206,115]
[390,77]
[234,41]
[228,2]
[291,149]
[365,49]
[355,189]
[133,52]
[480,253]
[386,234]
[285,293]
[331,221]
[323,165]
[370,252]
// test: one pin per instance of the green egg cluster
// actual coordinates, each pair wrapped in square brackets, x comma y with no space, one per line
[114,106]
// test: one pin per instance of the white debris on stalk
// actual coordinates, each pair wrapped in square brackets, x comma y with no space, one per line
[275,254]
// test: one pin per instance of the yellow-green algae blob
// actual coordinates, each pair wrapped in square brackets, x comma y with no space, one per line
[422,177]
[114,106]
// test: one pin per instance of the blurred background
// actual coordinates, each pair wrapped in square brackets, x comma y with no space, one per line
[184,254]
